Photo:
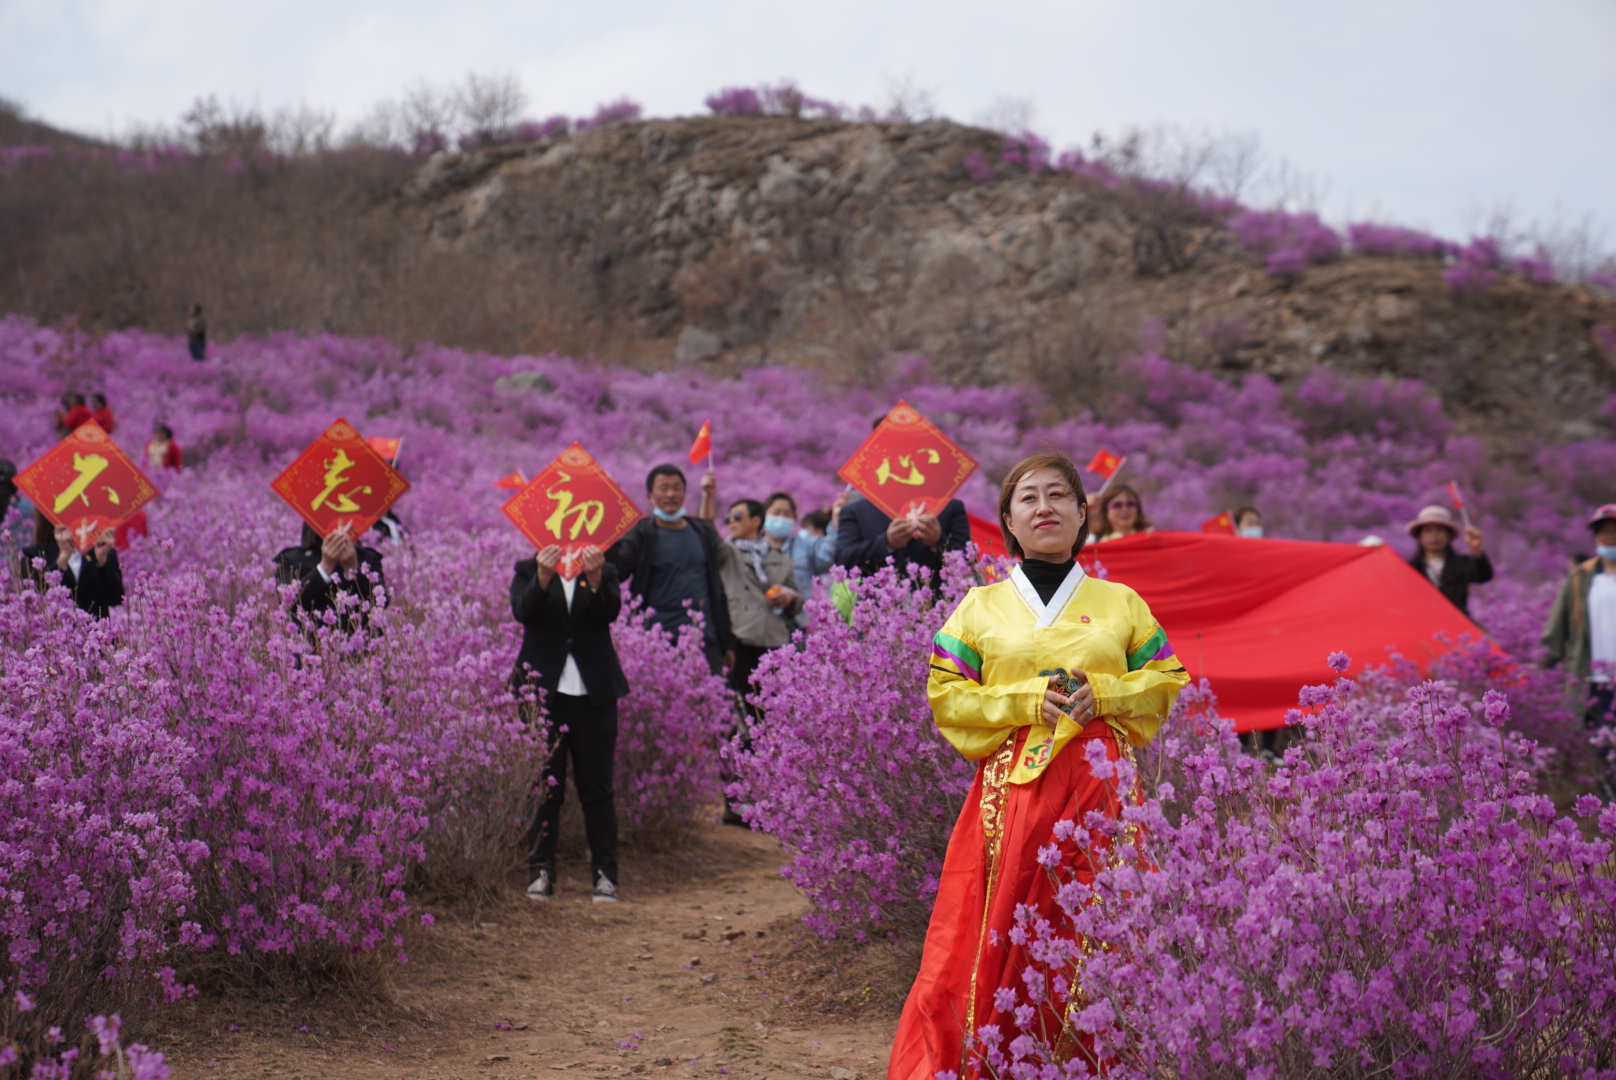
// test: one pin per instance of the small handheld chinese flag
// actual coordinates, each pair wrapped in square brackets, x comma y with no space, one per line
[387,448]
[907,466]
[513,482]
[340,480]
[702,448]
[1105,463]
[1458,503]
[1223,523]
[573,503]
[86,484]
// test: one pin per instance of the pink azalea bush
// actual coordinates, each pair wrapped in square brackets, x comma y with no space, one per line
[32,1047]
[1394,900]
[668,731]
[326,781]
[845,768]
[1370,238]
[1289,242]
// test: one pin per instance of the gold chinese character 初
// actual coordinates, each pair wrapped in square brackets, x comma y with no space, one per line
[586,516]
[884,473]
[88,466]
[336,472]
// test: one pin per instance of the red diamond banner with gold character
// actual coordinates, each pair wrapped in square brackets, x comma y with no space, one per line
[907,466]
[573,503]
[87,484]
[340,479]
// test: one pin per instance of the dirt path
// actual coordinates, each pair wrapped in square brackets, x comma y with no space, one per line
[700,976]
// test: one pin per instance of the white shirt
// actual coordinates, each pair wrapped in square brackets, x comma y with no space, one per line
[1602,627]
[75,563]
[1433,570]
[572,683]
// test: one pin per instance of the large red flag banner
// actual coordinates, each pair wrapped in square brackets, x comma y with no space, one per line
[86,484]
[1258,618]
[572,502]
[340,480]
[907,465]
[987,537]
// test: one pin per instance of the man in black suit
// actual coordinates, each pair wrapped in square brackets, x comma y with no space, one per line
[567,652]
[326,568]
[867,537]
[94,578]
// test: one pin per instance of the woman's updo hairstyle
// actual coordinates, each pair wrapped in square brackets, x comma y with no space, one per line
[1052,459]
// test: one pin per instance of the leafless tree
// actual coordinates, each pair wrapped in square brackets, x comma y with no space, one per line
[1009,115]
[908,101]
[211,129]
[489,105]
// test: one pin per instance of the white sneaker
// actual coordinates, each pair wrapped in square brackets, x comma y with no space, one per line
[605,891]
[542,887]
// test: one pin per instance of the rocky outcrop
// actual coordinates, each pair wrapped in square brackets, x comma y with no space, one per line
[745,240]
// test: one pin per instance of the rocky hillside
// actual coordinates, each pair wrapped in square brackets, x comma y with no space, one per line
[741,240]
[745,240]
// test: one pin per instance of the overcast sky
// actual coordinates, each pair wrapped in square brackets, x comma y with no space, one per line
[1424,112]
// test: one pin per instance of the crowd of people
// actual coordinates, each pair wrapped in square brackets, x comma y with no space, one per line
[747,586]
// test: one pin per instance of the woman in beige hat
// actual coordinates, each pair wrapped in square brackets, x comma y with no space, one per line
[1443,567]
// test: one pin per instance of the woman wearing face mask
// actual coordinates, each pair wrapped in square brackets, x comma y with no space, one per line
[1047,745]
[810,555]
[1443,567]
[1121,513]
[1248,523]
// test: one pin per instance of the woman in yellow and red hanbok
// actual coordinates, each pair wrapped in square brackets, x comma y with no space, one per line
[993,698]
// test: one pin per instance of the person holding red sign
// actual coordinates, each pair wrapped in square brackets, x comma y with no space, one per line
[332,571]
[567,653]
[867,535]
[868,538]
[94,578]
[1049,678]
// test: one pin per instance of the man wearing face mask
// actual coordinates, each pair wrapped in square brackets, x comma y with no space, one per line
[671,563]
[810,555]
[1248,523]
[764,601]
[1582,632]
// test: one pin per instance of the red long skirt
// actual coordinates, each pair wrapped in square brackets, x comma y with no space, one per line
[982,884]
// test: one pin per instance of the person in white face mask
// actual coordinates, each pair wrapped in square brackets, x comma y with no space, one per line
[1582,632]
[1248,522]
[810,555]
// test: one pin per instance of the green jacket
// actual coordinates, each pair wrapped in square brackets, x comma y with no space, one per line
[1566,636]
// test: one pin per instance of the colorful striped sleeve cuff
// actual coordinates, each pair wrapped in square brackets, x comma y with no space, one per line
[951,656]
[1154,648]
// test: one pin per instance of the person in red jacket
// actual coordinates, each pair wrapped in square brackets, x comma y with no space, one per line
[101,414]
[73,413]
[162,452]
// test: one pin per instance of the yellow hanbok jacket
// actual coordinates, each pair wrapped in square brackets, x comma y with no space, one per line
[984,681]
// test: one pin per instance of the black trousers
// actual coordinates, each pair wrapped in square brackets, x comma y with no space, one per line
[1601,698]
[740,676]
[590,739]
